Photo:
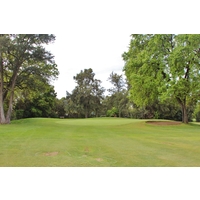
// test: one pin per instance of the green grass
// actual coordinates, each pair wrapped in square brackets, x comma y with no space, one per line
[98,142]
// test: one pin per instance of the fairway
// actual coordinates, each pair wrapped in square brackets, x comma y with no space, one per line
[99,142]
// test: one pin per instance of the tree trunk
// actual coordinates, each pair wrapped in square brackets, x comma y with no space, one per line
[184,114]
[2,115]
[10,106]
[184,110]
[86,114]
[119,113]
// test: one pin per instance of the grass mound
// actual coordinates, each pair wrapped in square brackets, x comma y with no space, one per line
[163,123]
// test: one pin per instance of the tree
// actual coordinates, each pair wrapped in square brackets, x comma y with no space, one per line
[118,92]
[84,82]
[60,107]
[22,59]
[3,43]
[160,67]
[117,81]
[87,95]
[35,103]
[196,114]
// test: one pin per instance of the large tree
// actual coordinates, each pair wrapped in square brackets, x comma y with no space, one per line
[160,67]
[23,57]
[87,95]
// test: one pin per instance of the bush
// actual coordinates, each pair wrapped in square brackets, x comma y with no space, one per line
[197,116]
[113,112]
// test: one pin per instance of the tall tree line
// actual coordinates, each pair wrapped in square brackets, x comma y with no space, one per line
[162,80]
[88,98]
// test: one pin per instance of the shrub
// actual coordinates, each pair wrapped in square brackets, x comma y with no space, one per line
[113,112]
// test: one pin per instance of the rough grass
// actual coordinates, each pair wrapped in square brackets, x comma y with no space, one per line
[98,142]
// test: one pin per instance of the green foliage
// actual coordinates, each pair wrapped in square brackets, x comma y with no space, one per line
[18,114]
[24,62]
[113,112]
[161,67]
[60,107]
[197,116]
[36,104]
[117,81]
[196,113]
[118,95]
[86,98]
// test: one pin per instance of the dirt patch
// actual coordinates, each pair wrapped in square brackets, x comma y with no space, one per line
[163,123]
[86,150]
[51,153]
[99,159]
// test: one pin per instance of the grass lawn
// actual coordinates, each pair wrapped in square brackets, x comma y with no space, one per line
[98,142]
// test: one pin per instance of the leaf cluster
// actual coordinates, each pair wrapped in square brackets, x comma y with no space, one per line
[163,66]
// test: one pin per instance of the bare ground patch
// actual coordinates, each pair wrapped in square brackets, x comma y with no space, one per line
[99,159]
[163,123]
[51,153]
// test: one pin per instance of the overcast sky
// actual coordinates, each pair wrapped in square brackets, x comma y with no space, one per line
[98,50]
[93,33]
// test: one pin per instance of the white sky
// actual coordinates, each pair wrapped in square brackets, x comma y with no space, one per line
[93,33]
[100,51]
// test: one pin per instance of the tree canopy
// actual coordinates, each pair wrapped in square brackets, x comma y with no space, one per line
[164,66]
[118,98]
[23,60]
[162,70]
[87,95]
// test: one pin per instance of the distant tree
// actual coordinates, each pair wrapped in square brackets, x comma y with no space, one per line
[60,107]
[97,96]
[160,67]
[117,81]
[113,112]
[22,58]
[118,93]
[87,95]
[84,82]
[73,107]
[196,114]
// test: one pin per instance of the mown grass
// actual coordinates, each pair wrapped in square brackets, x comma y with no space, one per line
[98,142]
